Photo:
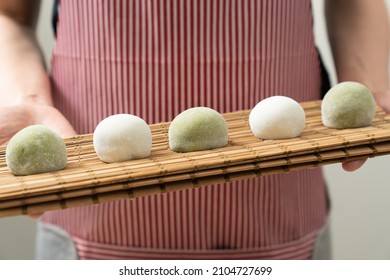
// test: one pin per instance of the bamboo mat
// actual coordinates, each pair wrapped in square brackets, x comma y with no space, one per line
[87,180]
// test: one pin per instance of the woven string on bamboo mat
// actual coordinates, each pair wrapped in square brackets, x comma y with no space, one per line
[87,180]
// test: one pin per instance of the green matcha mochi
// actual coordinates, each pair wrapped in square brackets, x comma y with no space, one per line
[196,129]
[35,149]
[348,105]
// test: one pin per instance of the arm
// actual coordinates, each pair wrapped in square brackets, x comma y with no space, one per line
[359,37]
[25,91]
[20,55]
[358,33]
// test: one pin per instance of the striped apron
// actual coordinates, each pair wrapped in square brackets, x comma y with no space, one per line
[157,58]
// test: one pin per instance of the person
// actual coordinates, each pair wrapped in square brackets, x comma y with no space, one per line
[156,58]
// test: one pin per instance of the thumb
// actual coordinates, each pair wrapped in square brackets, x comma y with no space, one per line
[51,117]
[382,99]
[353,165]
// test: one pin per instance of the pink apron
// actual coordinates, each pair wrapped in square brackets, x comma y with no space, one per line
[157,58]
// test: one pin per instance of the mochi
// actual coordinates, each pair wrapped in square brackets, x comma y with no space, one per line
[348,105]
[277,117]
[35,149]
[122,137]
[196,129]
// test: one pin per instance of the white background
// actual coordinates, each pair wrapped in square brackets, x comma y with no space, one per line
[360,221]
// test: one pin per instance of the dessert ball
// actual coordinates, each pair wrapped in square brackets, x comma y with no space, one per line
[122,137]
[348,105]
[196,129]
[36,149]
[277,117]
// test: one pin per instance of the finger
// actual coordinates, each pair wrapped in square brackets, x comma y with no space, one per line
[12,120]
[353,165]
[52,118]
[35,216]
[383,100]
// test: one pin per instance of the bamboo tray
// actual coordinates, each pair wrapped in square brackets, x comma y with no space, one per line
[87,180]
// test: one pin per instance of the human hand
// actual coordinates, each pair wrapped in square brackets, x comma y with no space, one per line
[17,117]
[382,99]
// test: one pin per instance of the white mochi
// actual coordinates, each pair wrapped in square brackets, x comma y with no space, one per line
[277,117]
[122,137]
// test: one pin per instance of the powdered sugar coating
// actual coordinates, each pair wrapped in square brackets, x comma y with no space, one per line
[277,117]
[122,137]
